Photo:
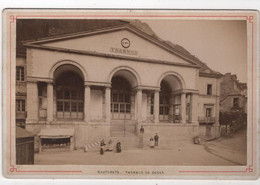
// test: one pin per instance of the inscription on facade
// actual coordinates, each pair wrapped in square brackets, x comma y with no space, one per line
[123,51]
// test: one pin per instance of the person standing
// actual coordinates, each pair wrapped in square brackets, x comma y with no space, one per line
[141,137]
[142,130]
[118,147]
[110,145]
[102,146]
[156,139]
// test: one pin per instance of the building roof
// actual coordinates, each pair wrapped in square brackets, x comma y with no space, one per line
[22,133]
[56,133]
[56,28]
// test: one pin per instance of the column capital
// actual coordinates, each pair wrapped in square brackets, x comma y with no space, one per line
[185,91]
[145,87]
[50,83]
[30,79]
[102,84]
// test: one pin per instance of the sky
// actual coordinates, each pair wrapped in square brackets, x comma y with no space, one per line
[222,45]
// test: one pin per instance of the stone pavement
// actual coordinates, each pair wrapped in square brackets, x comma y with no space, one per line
[188,154]
[232,148]
[223,151]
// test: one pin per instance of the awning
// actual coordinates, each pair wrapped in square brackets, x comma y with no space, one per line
[56,133]
[22,133]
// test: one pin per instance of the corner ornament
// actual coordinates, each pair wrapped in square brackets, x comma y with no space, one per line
[13,169]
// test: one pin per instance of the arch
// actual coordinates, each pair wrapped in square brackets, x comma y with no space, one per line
[128,73]
[170,74]
[68,62]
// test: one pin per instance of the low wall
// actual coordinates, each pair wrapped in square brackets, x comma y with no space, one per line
[171,134]
[209,131]
[84,133]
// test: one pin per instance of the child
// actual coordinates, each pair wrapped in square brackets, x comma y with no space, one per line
[118,147]
[151,142]
[102,147]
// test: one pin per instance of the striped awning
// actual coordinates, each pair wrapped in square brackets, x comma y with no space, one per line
[56,133]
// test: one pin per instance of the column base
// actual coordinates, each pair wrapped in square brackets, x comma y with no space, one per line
[195,123]
[31,121]
[87,120]
[216,124]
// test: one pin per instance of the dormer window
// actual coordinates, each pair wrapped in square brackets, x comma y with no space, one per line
[209,89]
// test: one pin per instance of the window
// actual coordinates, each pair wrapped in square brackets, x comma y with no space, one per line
[70,96]
[208,112]
[164,101]
[236,102]
[209,89]
[120,98]
[152,105]
[176,109]
[19,73]
[20,105]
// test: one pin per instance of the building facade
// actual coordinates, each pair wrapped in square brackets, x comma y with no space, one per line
[233,94]
[108,82]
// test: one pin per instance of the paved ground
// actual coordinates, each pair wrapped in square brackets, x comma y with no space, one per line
[224,151]
[232,149]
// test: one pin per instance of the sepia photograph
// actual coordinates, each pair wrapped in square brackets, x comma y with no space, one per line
[133,92]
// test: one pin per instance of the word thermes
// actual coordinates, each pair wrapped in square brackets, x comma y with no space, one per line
[123,51]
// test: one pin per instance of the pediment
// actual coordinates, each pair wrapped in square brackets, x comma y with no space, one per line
[124,42]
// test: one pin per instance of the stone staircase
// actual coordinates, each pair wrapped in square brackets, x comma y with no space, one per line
[129,142]
[94,145]
[132,142]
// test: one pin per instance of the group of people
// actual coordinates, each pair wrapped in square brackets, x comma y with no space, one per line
[109,147]
[154,140]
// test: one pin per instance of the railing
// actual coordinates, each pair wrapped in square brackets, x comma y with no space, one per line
[206,119]
[21,115]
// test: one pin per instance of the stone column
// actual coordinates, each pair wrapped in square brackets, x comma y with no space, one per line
[183,108]
[49,103]
[217,112]
[194,109]
[107,104]
[32,102]
[139,105]
[148,108]
[171,112]
[156,106]
[87,107]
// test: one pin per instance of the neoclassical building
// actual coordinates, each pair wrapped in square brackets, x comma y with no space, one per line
[109,81]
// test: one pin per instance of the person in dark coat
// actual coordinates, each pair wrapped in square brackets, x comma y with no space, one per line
[156,139]
[142,129]
[102,147]
[118,147]
[141,137]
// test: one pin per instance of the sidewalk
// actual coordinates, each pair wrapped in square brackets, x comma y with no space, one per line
[233,149]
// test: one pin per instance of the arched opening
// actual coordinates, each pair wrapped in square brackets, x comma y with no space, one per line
[164,100]
[69,89]
[123,103]
[120,99]
[169,101]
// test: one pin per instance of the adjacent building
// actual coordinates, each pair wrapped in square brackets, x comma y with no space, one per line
[233,94]
[109,79]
